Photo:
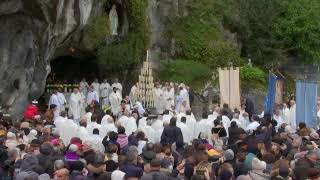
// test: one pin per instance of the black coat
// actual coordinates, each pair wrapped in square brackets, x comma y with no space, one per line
[172,134]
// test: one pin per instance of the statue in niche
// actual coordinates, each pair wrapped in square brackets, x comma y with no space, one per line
[113,18]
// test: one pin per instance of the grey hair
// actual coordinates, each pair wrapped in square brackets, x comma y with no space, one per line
[58,164]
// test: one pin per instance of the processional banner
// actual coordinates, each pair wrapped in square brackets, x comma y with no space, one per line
[271,94]
[306,103]
[229,84]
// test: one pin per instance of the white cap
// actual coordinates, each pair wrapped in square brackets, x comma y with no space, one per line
[34,101]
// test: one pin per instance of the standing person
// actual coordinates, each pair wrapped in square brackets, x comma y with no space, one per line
[249,107]
[54,100]
[115,102]
[92,96]
[51,113]
[285,113]
[292,115]
[83,103]
[158,101]
[172,134]
[133,96]
[118,86]
[105,90]
[32,111]
[277,116]
[62,100]
[75,105]
[168,95]
[84,86]
[96,86]
[186,132]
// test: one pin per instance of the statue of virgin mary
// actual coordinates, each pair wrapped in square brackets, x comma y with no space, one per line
[113,18]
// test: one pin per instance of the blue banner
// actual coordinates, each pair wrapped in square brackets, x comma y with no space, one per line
[306,100]
[271,95]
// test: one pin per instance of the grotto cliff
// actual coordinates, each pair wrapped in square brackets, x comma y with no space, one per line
[30,33]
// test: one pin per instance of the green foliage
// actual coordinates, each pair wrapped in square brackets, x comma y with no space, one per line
[132,48]
[193,73]
[199,35]
[97,30]
[252,77]
[299,26]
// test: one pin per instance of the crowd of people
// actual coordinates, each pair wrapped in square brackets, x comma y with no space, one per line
[127,143]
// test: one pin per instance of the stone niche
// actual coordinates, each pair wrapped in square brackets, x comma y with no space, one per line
[123,24]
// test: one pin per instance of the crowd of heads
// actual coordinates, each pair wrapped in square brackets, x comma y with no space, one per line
[35,150]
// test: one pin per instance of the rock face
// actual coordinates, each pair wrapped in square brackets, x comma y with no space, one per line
[30,32]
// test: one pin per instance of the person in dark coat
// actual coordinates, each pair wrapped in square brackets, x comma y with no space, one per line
[234,133]
[172,134]
[249,107]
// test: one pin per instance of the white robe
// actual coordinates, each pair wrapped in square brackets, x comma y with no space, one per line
[186,133]
[253,126]
[115,101]
[62,101]
[88,117]
[133,96]
[158,100]
[96,88]
[104,120]
[201,127]
[131,126]
[54,100]
[95,141]
[106,128]
[279,120]
[105,90]
[226,124]
[59,122]
[83,104]
[75,105]
[119,87]
[286,115]
[191,122]
[68,131]
[157,126]
[166,118]
[168,97]
[91,126]
[292,116]
[92,96]
[84,87]
[83,133]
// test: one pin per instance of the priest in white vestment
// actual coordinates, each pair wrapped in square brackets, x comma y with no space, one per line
[292,115]
[105,119]
[62,100]
[277,116]
[92,96]
[105,90]
[68,131]
[201,126]
[117,85]
[93,124]
[55,100]
[82,132]
[285,113]
[131,125]
[95,141]
[191,122]
[75,105]
[226,123]
[108,127]
[115,101]
[84,86]
[158,99]
[157,126]
[59,121]
[168,96]
[96,86]
[133,96]
[186,132]
[214,115]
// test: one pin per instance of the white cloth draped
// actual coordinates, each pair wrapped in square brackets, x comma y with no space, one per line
[158,100]
[186,132]
[229,84]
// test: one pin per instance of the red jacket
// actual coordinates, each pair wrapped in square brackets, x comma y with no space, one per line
[31,111]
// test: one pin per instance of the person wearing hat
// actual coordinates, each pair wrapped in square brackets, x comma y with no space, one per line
[32,111]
